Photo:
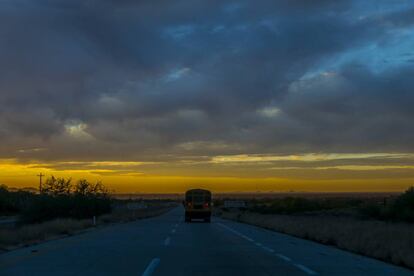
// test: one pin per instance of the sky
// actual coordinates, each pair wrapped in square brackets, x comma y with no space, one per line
[233,96]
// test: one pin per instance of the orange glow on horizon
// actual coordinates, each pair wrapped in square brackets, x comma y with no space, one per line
[147,177]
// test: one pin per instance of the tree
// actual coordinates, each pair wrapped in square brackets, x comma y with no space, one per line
[85,188]
[57,186]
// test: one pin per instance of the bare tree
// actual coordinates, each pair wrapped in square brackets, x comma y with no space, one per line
[57,186]
[84,187]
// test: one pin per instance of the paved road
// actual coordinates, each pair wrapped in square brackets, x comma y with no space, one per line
[166,245]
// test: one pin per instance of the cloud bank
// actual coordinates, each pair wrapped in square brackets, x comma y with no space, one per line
[153,81]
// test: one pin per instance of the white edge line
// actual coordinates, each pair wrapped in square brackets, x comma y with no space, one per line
[235,232]
[283,257]
[151,267]
[305,269]
[246,237]
[268,249]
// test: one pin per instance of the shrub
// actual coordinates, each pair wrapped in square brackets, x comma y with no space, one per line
[403,207]
[400,209]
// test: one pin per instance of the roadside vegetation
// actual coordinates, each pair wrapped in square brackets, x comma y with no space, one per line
[65,208]
[381,228]
[33,233]
[12,203]
[397,208]
[296,205]
[60,198]
[28,234]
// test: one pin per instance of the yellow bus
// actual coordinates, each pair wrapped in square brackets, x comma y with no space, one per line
[197,205]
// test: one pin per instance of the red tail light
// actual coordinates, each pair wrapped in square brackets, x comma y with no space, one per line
[206,205]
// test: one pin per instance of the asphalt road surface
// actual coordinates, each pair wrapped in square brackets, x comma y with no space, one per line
[166,245]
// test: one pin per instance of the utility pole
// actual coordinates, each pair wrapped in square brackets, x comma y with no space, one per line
[40,182]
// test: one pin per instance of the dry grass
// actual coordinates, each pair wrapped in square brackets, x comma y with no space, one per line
[125,215]
[391,242]
[34,233]
[43,231]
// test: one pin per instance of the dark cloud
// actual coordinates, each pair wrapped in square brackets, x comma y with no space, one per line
[355,110]
[106,80]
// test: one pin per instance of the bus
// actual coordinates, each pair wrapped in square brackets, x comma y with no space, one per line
[197,205]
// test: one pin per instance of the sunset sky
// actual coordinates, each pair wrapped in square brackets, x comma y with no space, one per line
[233,96]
